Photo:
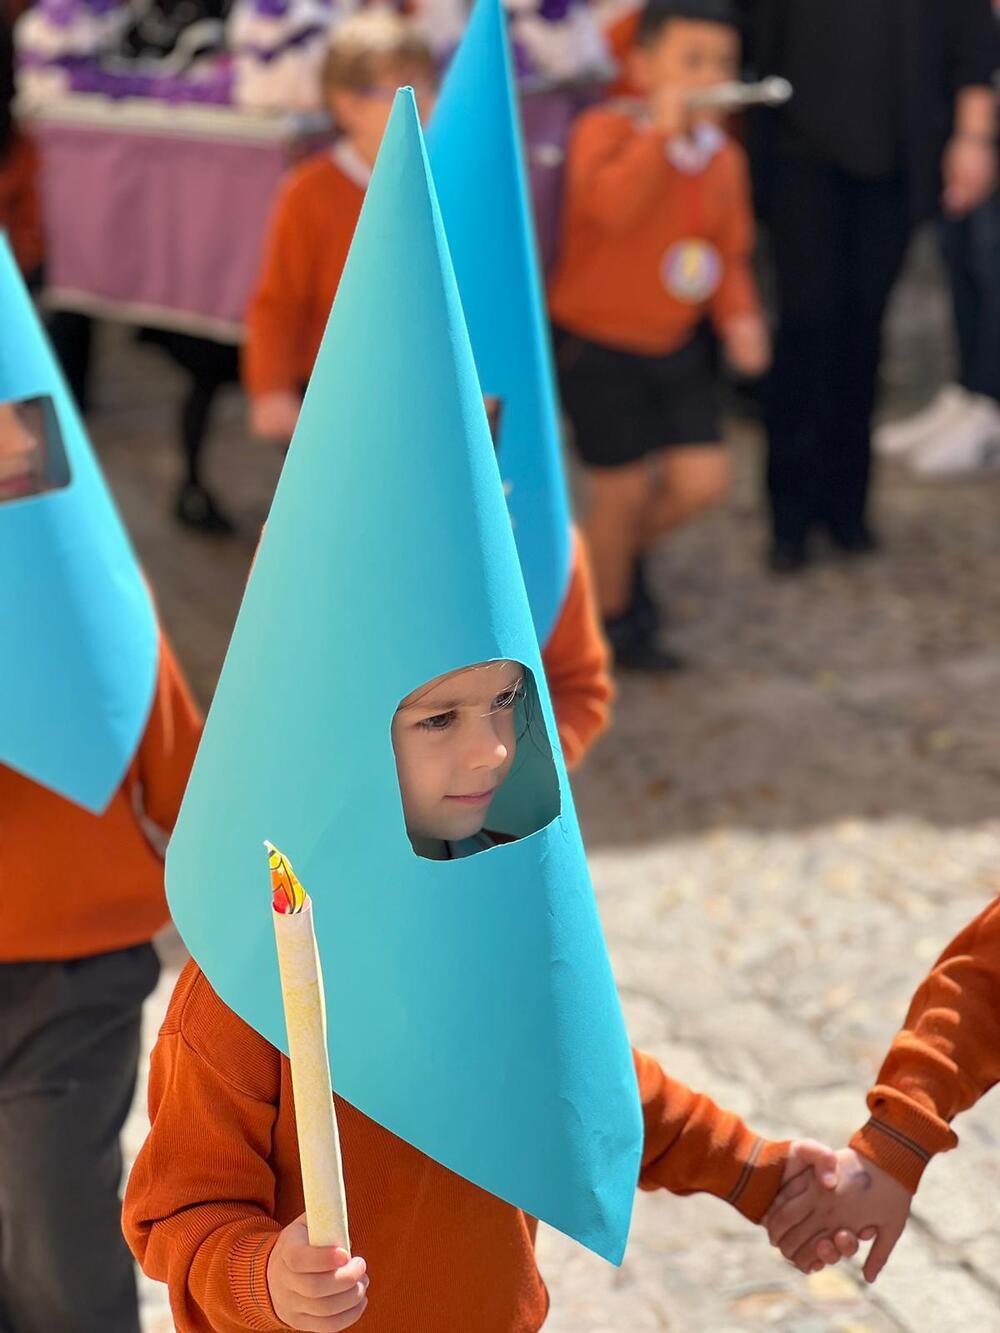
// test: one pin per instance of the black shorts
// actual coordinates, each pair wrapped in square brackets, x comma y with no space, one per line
[624,405]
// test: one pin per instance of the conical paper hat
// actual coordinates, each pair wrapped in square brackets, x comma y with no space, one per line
[78,635]
[475,150]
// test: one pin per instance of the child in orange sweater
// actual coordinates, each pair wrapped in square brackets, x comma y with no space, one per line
[314,219]
[657,241]
[945,1058]
[81,897]
[81,893]
[214,1205]
[97,738]
[371,54]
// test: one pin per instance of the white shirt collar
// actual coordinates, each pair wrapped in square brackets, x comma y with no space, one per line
[691,153]
[351,163]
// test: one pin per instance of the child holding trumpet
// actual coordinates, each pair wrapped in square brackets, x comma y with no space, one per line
[655,266]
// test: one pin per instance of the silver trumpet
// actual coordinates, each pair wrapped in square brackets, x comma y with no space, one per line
[731,96]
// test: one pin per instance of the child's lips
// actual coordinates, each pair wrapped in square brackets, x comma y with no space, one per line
[11,488]
[474,798]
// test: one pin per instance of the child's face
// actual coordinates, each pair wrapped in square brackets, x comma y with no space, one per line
[686,56]
[363,116]
[455,743]
[22,456]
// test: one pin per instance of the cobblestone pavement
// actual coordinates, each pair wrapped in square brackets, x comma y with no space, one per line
[781,840]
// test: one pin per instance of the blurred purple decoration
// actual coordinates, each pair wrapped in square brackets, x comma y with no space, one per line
[211,86]
[62,13]
[268,53]
[557,42]
[272,8]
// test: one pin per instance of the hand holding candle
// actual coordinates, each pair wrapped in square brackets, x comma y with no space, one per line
[305,1020]
[315,1289]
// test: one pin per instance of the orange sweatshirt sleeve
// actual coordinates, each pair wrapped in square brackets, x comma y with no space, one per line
[737,291]
[944,1059]
[613,170]
[692,1146]
[577,664]
[199,1202]
[23,220]
[277,322]
[169,743]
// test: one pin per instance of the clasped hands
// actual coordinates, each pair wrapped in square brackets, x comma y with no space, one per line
[831,1202]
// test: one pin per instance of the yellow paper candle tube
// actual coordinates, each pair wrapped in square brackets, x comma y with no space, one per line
[305,1022]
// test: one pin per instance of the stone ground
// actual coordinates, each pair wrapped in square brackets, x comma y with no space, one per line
[781,841]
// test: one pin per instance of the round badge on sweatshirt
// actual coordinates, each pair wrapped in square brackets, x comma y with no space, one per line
[691,270]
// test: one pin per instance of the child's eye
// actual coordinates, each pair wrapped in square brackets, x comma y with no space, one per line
[439,722]
[509,697]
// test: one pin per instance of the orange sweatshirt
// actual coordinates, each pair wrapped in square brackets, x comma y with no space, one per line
[311,229]
[218,1178]
[19,211]
[648,251]
[576,662]
[944,1059]
[74,884]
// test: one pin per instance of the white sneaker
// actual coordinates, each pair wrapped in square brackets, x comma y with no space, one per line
[969,444]
[945,409]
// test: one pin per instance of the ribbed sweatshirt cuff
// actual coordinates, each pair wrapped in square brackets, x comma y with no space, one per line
[248,1281]
[900,1137]
[760,1179]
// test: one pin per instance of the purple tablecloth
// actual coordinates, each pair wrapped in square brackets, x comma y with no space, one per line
[165,226]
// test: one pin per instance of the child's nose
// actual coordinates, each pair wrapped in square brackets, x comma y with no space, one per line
[17,445]
[488,750]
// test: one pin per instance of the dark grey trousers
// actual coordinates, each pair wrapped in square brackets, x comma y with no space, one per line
[69,1049]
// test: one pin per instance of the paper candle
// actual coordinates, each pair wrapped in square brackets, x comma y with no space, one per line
[305,1021]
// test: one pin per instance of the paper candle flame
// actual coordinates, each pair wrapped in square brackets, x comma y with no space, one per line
[288,895]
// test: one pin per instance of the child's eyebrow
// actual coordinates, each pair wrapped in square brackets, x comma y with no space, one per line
[446,705]
[442,706]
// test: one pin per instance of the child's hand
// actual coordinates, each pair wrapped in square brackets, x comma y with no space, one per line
[866,1202]
[747,345]
[970,174]
[315,1290]
[273,415]
[671,114]
[813,1171]
[809,1159]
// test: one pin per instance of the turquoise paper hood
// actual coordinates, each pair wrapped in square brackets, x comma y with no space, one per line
[78,635]
[476,155]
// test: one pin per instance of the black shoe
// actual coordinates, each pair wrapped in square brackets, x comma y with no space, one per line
[196,508]
[635,648]
[643,610]
[854,541]
[787,558]
[650,657]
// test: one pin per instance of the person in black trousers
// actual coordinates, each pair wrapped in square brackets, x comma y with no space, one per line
[892,118]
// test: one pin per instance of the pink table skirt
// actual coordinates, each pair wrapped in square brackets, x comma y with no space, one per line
[165,226]
[159,228]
